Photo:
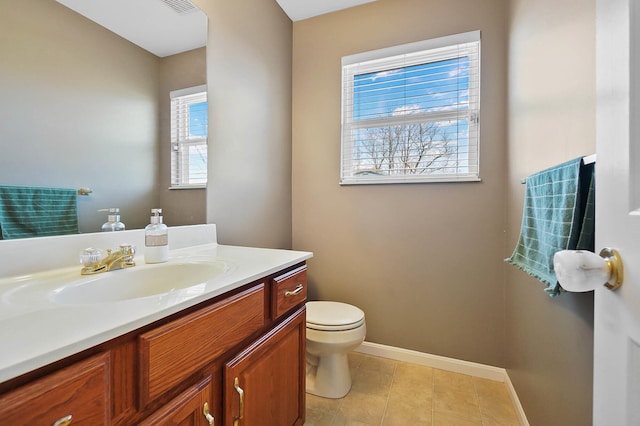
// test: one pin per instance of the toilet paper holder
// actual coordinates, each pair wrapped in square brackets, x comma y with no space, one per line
[580,270]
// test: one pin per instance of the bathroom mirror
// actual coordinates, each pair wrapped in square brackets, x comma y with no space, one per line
[82,107]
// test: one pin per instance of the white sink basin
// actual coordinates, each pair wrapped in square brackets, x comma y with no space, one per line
[189,278]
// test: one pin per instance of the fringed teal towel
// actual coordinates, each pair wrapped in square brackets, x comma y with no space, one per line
[37,212]
[558,215]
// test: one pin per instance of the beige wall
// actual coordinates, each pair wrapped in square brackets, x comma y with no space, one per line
[249,80]
[424,261]
[184,206]
[78,108]
[551,119]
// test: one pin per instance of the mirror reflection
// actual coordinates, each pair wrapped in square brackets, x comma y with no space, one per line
[82,107]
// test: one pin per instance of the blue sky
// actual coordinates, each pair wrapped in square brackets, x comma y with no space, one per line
[198,119]
[434,86]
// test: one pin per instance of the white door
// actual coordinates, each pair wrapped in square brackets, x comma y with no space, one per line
[617,313]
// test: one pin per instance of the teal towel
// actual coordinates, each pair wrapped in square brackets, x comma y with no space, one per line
[37,212]
[558,214]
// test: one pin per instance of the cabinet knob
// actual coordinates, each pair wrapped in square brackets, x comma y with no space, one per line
[236,384]
[207,414]
[63,421]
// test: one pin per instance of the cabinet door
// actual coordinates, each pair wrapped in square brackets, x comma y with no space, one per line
[78,394]
[191,408]
[265,384]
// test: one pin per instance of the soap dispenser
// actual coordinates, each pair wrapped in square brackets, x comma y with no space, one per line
[156,239]
[113,220]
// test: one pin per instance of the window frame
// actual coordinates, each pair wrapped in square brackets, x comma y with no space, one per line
[179,144]
[387,59]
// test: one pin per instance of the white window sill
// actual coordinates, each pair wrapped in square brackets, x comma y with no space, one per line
[397,180]
[188,187]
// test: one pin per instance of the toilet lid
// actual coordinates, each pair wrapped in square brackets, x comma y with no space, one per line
[333,316]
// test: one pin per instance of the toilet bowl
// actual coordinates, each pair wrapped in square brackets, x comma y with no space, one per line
[333,329]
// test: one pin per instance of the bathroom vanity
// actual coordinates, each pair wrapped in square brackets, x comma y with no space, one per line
[230,350]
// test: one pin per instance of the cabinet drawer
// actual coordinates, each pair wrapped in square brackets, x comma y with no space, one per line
[171,353]
[81,391]
[288,291]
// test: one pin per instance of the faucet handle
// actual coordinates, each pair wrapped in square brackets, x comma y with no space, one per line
[127,249]
[91,256]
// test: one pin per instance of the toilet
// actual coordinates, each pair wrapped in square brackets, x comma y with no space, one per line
[333,329]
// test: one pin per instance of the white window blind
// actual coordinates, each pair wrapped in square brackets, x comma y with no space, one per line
[189,129]
[411,113]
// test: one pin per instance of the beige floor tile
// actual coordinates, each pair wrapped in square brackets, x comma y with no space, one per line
[413,378]
[496,406]
[388,393]
[342,421]
[375,363]
[355,359]
[443,419]
[498,413]
[407,409]
[323,404]
[414,395]
[372,382]
[457,402]
[414,373]
[318,418]
[447,380]
[361,407]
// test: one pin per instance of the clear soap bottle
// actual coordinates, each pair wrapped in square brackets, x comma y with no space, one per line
[113,220]
[156,239]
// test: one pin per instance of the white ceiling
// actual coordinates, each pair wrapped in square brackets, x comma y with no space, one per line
[303,9]
[151,24]
[157,27]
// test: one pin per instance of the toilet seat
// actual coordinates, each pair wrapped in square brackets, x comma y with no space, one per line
[333,316]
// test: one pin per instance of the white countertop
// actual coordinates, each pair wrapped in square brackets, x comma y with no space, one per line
[37,332]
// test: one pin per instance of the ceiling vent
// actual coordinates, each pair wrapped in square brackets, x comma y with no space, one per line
[181,7]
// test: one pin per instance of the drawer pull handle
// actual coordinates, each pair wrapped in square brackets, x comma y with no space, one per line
[295,291]
[207,414]
[236,385]
[63,421]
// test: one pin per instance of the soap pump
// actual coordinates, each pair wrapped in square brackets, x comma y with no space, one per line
[113,220]
[156,239]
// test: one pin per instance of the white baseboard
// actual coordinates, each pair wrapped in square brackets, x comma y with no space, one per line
[450,364]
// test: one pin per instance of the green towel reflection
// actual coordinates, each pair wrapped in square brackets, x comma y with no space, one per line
[37,212]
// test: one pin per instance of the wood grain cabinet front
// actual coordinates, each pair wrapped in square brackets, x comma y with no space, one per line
[289,291]
[76,395]
[264,385]
[190,408]
[171,353]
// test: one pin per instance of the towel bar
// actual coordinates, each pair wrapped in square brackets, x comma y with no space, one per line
[585,160]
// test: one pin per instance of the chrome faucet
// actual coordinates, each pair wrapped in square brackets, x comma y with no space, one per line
[95,261]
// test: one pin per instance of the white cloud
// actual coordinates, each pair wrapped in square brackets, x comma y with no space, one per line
[406,110]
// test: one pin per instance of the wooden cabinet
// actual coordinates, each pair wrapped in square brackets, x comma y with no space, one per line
[264,384]
[289,291]
[79,393]
[181,370]
[191,408]
[171,353]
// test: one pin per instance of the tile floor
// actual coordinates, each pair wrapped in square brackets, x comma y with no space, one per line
[389,393]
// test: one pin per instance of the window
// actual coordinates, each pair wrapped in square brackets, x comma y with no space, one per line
[411,113]
[189,130]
